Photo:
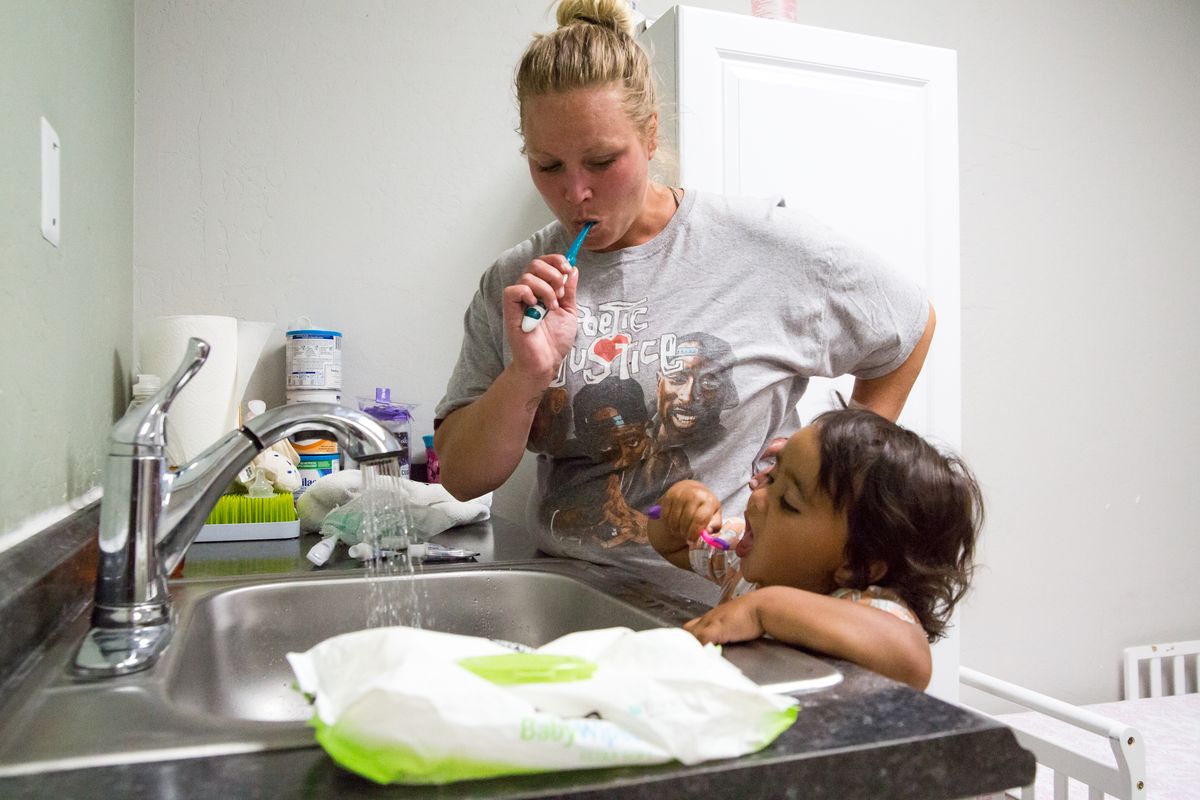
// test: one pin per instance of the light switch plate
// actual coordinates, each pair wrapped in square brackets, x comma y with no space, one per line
[51,158]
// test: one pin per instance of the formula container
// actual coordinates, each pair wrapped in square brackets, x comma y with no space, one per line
[395,417]
[313,396]
[313,467]
[318,457]
[314,358]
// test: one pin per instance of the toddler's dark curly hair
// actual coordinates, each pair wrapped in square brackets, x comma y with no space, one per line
[914,508]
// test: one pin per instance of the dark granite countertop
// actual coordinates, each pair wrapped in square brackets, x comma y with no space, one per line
[867,737]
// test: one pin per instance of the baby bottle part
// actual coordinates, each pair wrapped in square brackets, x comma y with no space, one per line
[262,486]
[143,389]
[433,469]
[395,417]
[320,552]
[415,552]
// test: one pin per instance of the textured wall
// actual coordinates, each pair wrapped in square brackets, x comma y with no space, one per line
[355,163]
[66,310]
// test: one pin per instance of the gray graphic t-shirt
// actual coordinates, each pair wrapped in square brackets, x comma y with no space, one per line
[691,354]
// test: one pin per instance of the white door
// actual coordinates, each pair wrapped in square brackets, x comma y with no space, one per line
[860,132]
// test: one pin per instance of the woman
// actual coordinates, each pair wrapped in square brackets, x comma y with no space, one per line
[720,309]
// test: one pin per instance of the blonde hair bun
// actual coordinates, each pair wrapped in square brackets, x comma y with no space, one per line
[591,48]
[611,14]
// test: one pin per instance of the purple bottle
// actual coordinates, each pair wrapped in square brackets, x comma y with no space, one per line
[395,417]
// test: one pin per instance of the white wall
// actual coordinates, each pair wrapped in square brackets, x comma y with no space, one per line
[355,162]
[66,309]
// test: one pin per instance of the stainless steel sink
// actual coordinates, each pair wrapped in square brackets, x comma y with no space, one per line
[232,657]
[223,685]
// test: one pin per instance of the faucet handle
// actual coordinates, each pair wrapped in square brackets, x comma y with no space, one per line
[147,424]
[193,360]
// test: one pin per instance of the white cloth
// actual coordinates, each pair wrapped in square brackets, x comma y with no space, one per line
[324,495]
[433,508]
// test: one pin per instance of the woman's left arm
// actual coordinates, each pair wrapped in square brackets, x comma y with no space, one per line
[886,394]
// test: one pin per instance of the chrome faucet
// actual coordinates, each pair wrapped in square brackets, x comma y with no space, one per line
[149,515]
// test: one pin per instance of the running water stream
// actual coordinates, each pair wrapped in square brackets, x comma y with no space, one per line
[394,597]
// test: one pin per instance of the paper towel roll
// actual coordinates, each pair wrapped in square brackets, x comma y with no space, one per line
[206,408]
[252,338]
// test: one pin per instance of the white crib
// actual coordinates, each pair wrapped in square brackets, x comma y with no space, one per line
[1161,701]
[1124,778]
[1183,659]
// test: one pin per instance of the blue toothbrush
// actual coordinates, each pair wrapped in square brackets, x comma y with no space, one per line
[535,313]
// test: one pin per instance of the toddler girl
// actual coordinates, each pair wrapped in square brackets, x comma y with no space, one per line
[857,543]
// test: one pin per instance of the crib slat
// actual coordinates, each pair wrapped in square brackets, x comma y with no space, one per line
[1156,667]
[1132,678]
[1060,785]
[1095,794]
[1177,675]
[1027,792]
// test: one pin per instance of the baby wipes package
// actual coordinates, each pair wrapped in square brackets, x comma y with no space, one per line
[595,698]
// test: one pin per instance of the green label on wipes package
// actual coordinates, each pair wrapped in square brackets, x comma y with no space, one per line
[511,669]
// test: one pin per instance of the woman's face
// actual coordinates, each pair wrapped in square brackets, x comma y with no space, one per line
[589,162]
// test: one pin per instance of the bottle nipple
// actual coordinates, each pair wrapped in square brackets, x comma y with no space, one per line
[262,487]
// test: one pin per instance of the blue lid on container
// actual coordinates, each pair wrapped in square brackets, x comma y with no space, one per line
[314,332]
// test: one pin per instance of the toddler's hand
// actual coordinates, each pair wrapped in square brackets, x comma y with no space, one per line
[735,620]
[687,508]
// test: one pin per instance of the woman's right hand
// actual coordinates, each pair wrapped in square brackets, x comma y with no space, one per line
[481,443]
[539,352]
